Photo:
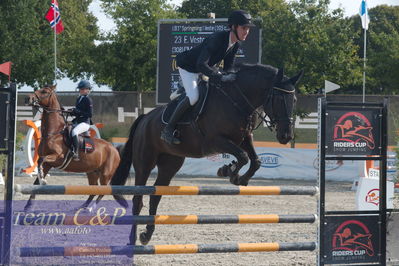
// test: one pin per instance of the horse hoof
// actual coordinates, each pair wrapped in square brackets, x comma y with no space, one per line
[220,172]
[234,180]
[42,181]
[144,239]
[226,170]
[243,182]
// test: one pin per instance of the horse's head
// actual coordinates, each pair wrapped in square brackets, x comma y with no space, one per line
[280,104]
[42,97]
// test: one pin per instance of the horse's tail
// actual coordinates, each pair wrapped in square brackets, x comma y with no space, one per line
[122,172]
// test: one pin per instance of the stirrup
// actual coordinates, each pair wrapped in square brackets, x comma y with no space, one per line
[75,156]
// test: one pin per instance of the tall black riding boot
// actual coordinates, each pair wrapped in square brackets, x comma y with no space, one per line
[75,148]
[167,132]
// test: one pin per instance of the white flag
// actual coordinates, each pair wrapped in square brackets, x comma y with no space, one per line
[364,15]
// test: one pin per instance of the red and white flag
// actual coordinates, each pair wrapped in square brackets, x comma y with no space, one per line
[54,17]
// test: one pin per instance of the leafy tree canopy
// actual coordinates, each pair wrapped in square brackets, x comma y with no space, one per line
[301,34]
[129,54]
[382,70]
[27,40]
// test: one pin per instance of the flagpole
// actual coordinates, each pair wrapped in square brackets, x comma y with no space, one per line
[364,65]
[55,44]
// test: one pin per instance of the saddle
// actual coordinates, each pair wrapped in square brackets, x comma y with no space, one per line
[86,143]
[192,113]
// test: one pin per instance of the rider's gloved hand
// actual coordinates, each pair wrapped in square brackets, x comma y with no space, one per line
[72,111]
[230,77]
[219,78]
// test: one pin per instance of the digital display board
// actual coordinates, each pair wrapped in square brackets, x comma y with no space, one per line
[174,38]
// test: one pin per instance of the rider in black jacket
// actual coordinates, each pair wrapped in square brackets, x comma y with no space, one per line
[83,113]
[203,59]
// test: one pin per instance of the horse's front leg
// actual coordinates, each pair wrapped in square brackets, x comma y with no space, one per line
[32,197]
[248,146]
[42,171]
[40,175]
[223,145]
[43,166]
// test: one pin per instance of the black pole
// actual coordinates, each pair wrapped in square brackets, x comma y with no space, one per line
[9,184]
[322,166]
[383,183]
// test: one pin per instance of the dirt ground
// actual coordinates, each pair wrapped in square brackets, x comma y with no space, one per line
[339,197]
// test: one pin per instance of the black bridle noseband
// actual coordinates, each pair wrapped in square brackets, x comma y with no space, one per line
[273,121]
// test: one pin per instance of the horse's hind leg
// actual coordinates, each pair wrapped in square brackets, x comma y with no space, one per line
[106,174]
[141,177]
[168,165]
[93,181]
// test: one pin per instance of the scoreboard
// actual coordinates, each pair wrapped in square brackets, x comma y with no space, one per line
[176,36]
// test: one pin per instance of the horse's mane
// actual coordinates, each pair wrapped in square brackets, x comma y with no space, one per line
[267,70]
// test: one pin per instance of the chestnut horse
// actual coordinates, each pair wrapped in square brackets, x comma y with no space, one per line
[225,126]
[98,165]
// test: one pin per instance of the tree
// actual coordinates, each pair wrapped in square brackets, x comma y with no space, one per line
[22,42]
[382,73]
[128,55]
[308,36]
[78,52]
[301,34]
[223,8]
[27,40]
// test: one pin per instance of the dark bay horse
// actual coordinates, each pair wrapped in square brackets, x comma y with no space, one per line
[224,127]
[98,165]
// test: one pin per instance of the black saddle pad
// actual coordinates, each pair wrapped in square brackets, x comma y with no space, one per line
[86,143]
[192,113]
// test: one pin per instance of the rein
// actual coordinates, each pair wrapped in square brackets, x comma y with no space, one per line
[45,108]
[37,105]
[271,123]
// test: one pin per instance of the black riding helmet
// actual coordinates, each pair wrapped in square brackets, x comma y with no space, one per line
[241,18]
[84,84]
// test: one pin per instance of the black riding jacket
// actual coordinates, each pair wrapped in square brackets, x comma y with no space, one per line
[83,110]
[203,58]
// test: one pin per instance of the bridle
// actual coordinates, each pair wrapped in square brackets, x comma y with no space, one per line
[273,121]
[38,99]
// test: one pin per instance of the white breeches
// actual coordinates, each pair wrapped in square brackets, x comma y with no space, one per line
[80,128]
[190,83]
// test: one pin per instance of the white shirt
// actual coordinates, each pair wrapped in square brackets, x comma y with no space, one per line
[230,43]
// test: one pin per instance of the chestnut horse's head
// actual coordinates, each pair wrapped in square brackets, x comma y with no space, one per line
[42,97]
